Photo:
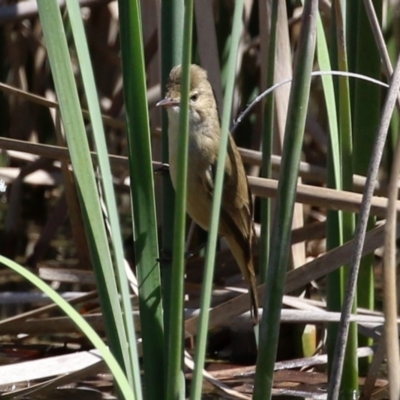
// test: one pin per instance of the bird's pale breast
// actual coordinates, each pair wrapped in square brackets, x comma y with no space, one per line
[198,198]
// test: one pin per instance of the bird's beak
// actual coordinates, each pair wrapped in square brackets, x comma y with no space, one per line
[167,102]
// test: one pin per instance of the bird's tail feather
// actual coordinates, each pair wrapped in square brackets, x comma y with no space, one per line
[245,261]
[254,299]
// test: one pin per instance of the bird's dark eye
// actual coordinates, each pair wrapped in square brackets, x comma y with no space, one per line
[194,96]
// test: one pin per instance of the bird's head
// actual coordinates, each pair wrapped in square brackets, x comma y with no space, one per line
[202,103]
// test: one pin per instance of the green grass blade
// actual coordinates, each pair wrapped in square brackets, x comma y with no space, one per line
[80,322]
[83,169]
[216,206]
[279,257]
[267,143]
[175,389]
[131,358]
[366,115]
[334,228]
[142,192]
[172,13]
[335,238]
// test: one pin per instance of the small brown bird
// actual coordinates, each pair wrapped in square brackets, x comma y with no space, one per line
[204,140]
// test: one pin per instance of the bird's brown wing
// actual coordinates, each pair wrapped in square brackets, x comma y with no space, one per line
[237,209]
[237,197]
[236,216]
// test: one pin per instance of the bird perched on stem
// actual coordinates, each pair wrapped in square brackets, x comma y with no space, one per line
[236,223]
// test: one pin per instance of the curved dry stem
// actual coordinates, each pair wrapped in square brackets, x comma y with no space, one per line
[389,281]
[337,365]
